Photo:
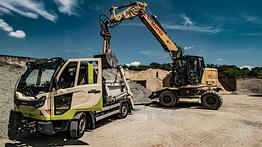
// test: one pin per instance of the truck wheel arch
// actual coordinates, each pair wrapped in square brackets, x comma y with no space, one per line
[91,120]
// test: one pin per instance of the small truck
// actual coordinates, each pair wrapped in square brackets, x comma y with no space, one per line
[55,95]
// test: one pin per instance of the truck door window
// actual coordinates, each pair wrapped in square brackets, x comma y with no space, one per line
[67,78]
[88,73]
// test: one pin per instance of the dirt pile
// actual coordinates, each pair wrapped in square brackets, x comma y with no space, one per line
[223,90]
[18,60]
[153,77]
[9,74]
[130,73]
[140,92]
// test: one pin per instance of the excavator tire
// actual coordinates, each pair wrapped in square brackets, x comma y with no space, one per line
[78,126]
[211,100]
[167,99]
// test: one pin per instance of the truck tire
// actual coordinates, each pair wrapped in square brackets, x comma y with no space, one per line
[13,131]
[78,126]
[211,100]
[167,99]
[124,109]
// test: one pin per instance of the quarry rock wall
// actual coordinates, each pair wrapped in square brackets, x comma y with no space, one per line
[16,59]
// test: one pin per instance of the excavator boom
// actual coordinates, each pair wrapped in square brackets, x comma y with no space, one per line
[150,21]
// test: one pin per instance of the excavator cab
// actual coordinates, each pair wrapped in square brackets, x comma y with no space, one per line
[187,70]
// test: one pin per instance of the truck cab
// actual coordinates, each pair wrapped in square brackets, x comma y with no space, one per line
[57,95]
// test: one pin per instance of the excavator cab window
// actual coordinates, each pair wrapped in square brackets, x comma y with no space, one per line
[179,70]
[188,70]
[195,69]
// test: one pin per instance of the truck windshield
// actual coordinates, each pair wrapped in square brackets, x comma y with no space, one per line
[35,81]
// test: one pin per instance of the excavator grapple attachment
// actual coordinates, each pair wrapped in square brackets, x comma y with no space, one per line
[108,60]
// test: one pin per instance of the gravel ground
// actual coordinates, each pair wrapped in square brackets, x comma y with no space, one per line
[237,123]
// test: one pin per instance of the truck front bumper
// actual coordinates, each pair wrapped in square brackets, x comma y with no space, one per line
[45,127]
[19,122]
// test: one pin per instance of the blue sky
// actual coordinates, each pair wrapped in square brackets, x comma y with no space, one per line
[222,31]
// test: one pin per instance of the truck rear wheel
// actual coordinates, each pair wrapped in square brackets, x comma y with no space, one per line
[167,99]
[211,100]
[123,110]
[78,126]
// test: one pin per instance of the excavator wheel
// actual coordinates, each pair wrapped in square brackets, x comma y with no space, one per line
[167,99]
[211,100]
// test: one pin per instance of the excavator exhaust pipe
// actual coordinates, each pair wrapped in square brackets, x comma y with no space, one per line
[108,60]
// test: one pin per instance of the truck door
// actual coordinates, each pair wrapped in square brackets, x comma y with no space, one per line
[80,88]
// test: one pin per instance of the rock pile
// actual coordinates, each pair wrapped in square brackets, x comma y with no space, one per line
[140,92]
[9,74]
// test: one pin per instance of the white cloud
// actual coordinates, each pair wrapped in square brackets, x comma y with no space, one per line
[251,19]
[135,63]
[247,66]
[75,51]
[5,11]
[188,47]
[219,59]
[147,52]
[133,24]
[188,21]
[237,51]
[17,34]
[252,34]
[188,25]
[12,7]
[4,26]
[67,6]
[203,29]
[28,8]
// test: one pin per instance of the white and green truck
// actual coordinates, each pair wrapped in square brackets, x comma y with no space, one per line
[55,95]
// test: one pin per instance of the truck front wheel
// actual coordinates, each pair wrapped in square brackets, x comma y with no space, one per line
[78,126]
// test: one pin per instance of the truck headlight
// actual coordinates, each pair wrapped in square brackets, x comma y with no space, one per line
[40,102]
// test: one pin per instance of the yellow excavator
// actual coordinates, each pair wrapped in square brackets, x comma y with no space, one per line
[189,77]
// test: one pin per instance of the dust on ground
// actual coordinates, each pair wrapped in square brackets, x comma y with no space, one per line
[237,123]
